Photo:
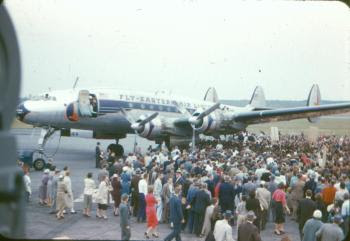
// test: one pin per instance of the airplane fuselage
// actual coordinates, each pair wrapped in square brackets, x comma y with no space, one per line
[51,110]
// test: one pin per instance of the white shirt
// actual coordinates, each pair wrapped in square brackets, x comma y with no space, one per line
[27,183]
[157,188]
[223,231]
[89,186]
[143,187]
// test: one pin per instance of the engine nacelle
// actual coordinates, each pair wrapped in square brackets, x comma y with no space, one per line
[151,130]
[208,124]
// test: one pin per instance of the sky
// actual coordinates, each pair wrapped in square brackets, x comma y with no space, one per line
[185,46]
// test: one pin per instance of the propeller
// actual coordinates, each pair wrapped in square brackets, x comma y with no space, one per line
[196,120]
[138,126]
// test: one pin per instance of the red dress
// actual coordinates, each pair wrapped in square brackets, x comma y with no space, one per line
[151,210]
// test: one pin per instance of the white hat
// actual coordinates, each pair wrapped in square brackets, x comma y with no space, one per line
[125,168]
[46,171]
[262,182]
[317,214]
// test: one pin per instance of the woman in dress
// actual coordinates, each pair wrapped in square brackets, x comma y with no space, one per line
[102,197]
[279,197]
[151,214]
[116,193]
[43,187]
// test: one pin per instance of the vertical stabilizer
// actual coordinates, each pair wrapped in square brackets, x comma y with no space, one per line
[211,95]
[258,98]
[314,99]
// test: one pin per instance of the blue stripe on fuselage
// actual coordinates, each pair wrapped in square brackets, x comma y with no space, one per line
[111,106]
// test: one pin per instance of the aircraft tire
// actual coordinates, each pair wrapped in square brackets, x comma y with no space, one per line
[119,150]
[39,164]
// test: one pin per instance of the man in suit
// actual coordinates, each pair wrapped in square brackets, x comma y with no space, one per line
[248,231]
[200,203]
[305,211]
[176,216]
[226,195]
[98,155]
[166,195]
[124,218]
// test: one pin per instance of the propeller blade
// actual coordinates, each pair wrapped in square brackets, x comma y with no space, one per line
[183,110]
[127,116]
[208,111]
[148,119]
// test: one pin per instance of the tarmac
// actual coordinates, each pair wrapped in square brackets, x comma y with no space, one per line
[79,155]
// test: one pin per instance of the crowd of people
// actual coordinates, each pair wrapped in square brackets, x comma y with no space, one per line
[243,183]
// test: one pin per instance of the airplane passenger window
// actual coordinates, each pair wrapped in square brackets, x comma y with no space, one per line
[131,105]
[142,106]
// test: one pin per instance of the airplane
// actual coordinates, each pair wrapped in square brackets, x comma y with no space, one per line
[103,113]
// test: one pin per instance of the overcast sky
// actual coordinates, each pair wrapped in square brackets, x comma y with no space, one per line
[185,46]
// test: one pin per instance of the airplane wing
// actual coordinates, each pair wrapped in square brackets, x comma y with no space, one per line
[255,117]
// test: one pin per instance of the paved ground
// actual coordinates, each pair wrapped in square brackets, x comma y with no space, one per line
[78,154]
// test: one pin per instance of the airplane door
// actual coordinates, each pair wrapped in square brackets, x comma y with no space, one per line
[84,106]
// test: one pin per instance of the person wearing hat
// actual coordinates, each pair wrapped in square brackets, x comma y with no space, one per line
[331,231]
[43,187]
[312,226]
[248,231]
[222,229]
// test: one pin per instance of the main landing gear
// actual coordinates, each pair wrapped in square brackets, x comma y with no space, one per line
[39,162]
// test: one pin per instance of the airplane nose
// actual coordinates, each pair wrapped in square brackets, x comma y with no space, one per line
[21,111]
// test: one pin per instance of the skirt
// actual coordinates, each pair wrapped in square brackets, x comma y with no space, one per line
[102,206]
[279,218]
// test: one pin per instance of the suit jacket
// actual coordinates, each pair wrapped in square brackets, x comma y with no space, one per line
[176,214]
[124,215]
[248,232]
[305,210]
[226,193]
[201,201]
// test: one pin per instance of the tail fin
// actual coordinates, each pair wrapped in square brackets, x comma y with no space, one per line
[211,95]
[314,99]
[258,98]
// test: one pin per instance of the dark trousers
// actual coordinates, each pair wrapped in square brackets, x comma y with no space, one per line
[98,162]
[264,217]
[141,215]
[135,203]
[198,223]
[125,234]
[175,233]
[27,196]
[190,221]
